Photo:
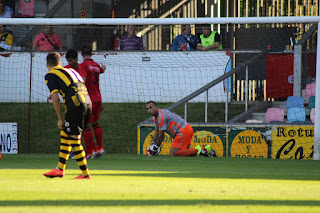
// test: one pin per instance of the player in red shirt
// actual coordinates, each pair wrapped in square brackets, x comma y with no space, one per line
[90,72]
[72,58]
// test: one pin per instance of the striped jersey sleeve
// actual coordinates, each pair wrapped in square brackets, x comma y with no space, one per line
[69,84]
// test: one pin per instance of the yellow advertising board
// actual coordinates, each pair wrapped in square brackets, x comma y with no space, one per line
[277,142]
[201,138]
[249,144]
[292,142]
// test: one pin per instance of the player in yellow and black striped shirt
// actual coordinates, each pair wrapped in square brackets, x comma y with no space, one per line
[78,108]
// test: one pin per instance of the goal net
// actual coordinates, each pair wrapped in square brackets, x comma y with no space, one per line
[235,98]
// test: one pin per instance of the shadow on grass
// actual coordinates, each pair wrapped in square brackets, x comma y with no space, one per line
[158,202]
[231,175]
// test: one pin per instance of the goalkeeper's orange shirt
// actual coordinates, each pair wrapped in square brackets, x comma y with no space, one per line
[170,122]
[91,70]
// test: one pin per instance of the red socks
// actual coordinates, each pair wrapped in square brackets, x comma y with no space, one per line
[98,135]
[88,140]
[186,152]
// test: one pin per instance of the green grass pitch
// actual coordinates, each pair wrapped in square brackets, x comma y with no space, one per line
[135,183]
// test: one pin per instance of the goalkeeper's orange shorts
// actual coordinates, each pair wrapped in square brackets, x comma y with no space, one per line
[184,138]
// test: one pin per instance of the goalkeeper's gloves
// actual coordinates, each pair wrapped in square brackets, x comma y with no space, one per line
[154,147]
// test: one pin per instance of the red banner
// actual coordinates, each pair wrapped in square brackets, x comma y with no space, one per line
[279,75]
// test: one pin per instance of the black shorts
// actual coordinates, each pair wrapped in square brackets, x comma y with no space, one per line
[76,119]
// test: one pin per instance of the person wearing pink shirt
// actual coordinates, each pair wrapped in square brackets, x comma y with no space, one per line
[47,41]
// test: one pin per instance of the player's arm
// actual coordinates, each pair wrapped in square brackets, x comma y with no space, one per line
[158,136]
[103,67]
[57,107]
[157,140]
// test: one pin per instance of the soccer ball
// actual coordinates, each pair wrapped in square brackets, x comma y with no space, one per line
[151,153]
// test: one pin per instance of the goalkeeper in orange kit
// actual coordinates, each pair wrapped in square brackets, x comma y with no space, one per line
[172,124]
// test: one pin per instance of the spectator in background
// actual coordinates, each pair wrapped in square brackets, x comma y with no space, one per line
[6,38]
[6,12]
[47,41]
[210,40]
[116,40]
[131,41]
[185,41]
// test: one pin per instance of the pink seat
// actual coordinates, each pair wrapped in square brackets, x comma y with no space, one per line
[274,114]
[310,91]
[312,115]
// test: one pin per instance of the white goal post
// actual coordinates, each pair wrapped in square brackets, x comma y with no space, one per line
[316,147]
[180,21]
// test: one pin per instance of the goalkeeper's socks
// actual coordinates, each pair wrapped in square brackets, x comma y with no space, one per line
[201,151]
[186,152]
[98,135]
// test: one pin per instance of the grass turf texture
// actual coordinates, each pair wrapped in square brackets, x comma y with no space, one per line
[135,183]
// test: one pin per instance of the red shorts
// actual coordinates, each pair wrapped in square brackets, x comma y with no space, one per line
[96,108]
[184,138]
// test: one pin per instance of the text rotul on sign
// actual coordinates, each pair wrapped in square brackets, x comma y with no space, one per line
[292,142]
